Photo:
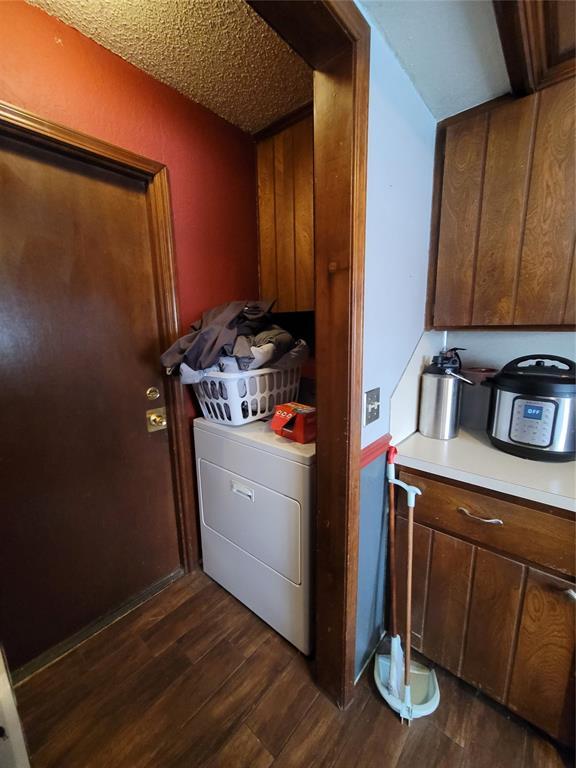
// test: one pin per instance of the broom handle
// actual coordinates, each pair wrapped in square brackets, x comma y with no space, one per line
[408,640]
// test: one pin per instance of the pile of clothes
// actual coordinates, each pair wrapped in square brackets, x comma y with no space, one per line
[239,336]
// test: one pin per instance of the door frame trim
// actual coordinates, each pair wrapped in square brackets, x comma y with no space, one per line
[26,126]
[333,37]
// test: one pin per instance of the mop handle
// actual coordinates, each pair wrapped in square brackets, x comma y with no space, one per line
[390,458]
[412,492]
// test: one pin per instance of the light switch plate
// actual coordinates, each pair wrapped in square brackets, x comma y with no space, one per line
[371,405]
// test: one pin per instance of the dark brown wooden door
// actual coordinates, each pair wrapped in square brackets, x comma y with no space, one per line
[88,510]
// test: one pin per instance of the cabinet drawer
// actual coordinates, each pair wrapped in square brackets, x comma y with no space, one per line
[537,536]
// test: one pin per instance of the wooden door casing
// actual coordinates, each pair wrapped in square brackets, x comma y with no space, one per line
[333,37]
[503,255]
[95,505]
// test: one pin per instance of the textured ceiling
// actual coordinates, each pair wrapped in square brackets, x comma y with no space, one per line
[217,52]
[450,49]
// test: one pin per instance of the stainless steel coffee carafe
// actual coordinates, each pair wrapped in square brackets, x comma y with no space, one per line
[440,396]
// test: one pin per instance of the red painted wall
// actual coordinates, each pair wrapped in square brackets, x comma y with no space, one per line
[57,73]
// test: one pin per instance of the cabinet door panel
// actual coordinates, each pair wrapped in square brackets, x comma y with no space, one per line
[542,687]
[422,542]
[447,604]
[492,623]
[550,222]
[461,195]
[503,204]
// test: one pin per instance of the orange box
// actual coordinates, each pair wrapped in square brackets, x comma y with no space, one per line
[295,421]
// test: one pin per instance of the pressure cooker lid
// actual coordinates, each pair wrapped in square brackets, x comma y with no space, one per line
[538,375]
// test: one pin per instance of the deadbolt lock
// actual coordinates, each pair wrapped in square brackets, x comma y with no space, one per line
[152,393]
[156,419]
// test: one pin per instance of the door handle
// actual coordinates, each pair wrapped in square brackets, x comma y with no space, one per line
[570,594]
[488,521]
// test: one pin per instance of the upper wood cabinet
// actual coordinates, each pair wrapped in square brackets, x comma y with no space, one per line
[286,217]
[507,216]
[539,41]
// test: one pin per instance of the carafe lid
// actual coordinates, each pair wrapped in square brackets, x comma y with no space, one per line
[446,362]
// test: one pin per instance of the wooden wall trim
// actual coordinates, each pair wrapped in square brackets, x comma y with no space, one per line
[284,122]
[512,27]
[74,143]
[57,651]
[373,451]
[16,122]
[308,26]
[179,427]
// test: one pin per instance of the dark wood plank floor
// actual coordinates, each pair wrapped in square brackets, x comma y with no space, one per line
[192,678]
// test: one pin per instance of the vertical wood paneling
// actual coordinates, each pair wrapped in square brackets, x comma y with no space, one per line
[267,219]
[447,606]
[422,544]
[286,216]
[503,210]
[550,222]
[461,196]
[494,609]
[542,688]
[303,139]
[284,197]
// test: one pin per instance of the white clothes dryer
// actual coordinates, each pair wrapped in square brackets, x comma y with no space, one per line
[256,495]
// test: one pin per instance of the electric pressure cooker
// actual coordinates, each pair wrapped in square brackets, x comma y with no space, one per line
[533,408]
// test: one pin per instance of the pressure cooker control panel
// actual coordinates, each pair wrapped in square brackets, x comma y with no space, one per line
[533,422]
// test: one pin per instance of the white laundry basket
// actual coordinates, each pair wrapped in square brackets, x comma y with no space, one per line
[238,398]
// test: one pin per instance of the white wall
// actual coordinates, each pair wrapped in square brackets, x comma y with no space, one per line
[496,348]
[406,397]
[401,135]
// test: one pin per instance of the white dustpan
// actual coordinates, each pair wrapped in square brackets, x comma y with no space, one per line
[409,688]
[419,699]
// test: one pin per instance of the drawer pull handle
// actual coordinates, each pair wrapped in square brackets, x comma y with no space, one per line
[242,490]
[570,594]
[488,521]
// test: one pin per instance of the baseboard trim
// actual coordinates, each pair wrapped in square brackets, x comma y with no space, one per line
[66,646]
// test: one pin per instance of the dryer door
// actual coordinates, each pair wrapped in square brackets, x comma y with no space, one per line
[260,521]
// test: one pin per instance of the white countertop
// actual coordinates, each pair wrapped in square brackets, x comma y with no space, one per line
[471,458]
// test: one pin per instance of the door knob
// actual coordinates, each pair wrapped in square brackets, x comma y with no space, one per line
[156,419]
